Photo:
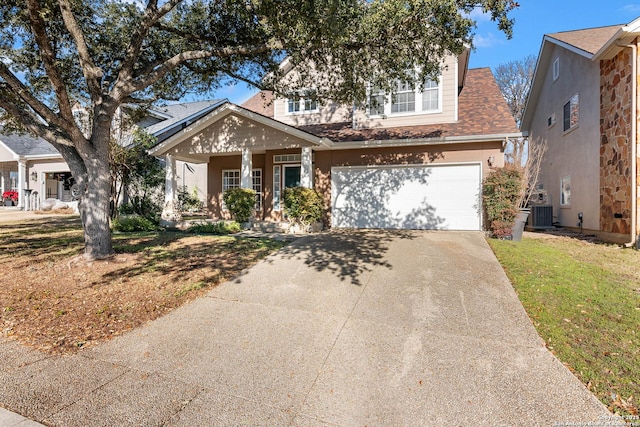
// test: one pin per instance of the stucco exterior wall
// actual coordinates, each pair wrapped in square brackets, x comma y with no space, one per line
[573,153]
[616,85]
[42,167]
[196,180]
[232,134]
[324,160]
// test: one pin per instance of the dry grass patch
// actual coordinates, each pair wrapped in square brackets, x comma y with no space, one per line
[55,301]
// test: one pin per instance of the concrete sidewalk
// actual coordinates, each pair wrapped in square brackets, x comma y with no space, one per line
[342,328]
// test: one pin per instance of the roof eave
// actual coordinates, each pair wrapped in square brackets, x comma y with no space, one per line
[222,111]
[378,143]
[190,117]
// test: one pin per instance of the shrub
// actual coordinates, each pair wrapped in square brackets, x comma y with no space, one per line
[189,202]
[141,206]
[240,203]
[132,223]
[303,205]
[500,194]
[215,227]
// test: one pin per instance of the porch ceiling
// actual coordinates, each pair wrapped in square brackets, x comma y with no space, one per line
[228,130]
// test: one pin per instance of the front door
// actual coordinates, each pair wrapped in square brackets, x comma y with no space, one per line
[291,176]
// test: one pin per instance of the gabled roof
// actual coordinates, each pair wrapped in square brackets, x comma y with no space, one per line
[482,113]
[261,103]
[589,40]
[594,44]
[178,116]
[219,112]
[25,145]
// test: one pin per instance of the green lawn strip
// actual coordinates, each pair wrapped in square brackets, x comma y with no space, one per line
[585,310]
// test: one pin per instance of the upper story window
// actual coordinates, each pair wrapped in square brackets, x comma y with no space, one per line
[571,113]
[405,100]
[376,101]
[303,104]
[556,69]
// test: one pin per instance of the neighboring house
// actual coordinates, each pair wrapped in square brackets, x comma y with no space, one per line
[34,164]
[415,160]
[583,103]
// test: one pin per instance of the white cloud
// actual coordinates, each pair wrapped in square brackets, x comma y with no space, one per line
[479,16]
[631,8]
[488,40]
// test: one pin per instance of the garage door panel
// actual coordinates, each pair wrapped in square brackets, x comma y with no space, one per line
[424,197]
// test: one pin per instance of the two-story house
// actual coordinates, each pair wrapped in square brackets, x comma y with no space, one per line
[414,159]
[583,103]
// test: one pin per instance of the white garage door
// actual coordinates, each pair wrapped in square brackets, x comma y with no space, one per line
[443,197]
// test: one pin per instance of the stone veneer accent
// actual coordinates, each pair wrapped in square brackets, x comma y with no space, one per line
[616,82]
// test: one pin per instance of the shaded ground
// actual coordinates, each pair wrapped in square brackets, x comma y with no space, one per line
[55,301]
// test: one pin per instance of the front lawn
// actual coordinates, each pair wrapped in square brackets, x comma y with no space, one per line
[55,301]
[584,300]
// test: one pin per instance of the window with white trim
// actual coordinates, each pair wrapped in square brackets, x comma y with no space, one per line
[305,103]
[403,99]
[565,191]
[276,187]
[231,179]
[431,96]
[556,69]
[571,113]
[376,102]
[13,180]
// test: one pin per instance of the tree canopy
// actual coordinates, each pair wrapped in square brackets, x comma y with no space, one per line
[101,54]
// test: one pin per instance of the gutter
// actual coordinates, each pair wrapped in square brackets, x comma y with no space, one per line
[634,139]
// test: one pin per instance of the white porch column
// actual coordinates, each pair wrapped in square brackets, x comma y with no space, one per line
[306,168]
[22,179]
[245,171]
[170,212]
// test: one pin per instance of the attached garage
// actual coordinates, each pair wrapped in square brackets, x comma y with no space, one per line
[442,197]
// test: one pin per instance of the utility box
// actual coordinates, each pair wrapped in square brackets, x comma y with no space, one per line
[541,216]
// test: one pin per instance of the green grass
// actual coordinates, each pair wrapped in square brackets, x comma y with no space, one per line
[584,300]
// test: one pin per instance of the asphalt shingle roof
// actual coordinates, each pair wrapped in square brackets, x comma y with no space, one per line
[482,111]
[26,145]
[589,40]
[178,112]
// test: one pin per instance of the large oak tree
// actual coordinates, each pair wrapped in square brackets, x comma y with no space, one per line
[100,54]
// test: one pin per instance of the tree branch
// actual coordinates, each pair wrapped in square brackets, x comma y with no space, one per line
[151,16]
[92,73]
[172,63]
[16,87]
[48,59]
[33,125]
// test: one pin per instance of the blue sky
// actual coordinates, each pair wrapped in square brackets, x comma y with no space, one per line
[534,18]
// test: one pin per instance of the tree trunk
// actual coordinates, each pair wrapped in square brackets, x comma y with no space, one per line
[94,212]
[89,164]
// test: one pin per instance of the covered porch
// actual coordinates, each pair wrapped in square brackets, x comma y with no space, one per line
[241,149]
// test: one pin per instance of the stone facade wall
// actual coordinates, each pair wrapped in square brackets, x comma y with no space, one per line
[616,82]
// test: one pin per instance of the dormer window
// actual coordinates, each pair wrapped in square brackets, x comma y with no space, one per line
[405,101]
[303,104]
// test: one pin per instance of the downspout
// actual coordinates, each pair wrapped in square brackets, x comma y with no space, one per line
[634,138]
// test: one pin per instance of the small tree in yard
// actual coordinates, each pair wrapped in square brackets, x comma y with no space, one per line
[500,195]
[102,55]
[514,79]
[303,205]
[240,202]
[138,175]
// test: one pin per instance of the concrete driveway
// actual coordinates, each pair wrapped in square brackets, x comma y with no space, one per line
[367,328]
